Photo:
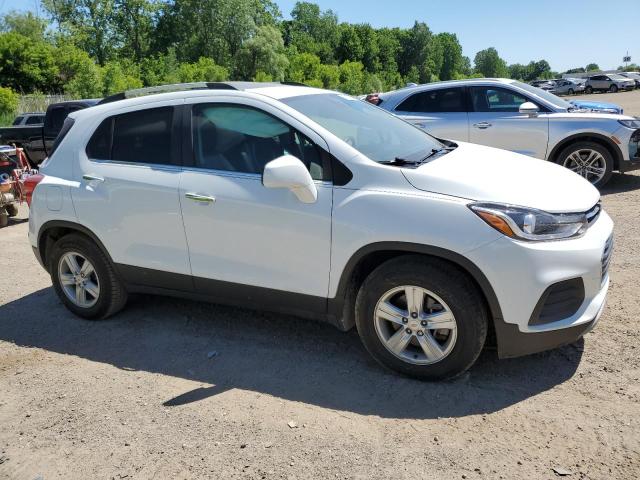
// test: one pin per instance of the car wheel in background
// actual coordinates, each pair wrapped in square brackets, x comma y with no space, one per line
[613,88]
[571,92]
[421,317]
[84,278]
[588,89]
[588,159]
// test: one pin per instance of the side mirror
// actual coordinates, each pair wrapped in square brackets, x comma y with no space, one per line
[528,108]
[289,172]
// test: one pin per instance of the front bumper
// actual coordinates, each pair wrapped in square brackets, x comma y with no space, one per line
[521,272]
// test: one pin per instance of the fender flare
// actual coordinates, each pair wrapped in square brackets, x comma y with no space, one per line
[610,145]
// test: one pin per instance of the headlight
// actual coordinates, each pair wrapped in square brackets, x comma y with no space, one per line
[630,123]
[530,224]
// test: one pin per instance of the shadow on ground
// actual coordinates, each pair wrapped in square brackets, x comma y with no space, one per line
[282,356]
[620,183]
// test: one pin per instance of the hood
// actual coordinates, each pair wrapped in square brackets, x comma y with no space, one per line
[491,175]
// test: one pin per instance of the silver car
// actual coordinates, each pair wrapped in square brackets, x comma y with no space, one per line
[564,86]
[610,82]
[515,116]
[635,76]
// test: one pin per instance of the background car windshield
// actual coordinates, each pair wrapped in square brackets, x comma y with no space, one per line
[370,130]
[544,95]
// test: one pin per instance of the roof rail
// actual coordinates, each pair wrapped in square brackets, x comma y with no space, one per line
[179,87]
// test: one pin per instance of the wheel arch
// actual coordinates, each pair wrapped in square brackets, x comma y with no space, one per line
[56,229]
[606,142]
[367,258]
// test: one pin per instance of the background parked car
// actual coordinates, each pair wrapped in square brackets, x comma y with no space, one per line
[611,82]
[515,116]
[37,139]
[543,84]
[635,76]
[564,86]
[29,119]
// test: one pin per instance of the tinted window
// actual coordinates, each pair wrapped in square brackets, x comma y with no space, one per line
[17,121]
[34,120]
[446,100]
[243,139]
[138,137]
[492,99]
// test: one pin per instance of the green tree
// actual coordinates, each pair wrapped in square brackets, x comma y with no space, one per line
[263,52]
[204,70]
[489,64]
[312,31]
[592,67]
[8,101]
[349,46]
[26,65]
[352,77]
[133,25]
[117,77]
[86,83]
[452,63]
[24,23]
[576,70]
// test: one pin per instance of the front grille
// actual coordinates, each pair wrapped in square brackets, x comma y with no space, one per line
[606,258]
[593,214]
[561,300]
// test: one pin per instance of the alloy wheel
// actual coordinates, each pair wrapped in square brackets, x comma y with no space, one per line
[588,163]
[415,325]
[78,279]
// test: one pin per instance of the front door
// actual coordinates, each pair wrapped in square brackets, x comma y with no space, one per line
[495,121]
[247,243]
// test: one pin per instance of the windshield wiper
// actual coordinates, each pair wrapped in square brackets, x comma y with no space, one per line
[399,162]
[437,151]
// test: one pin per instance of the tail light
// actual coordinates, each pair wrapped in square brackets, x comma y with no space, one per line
[30,184]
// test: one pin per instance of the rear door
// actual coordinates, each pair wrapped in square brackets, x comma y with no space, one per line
[128,178]
[440,112]
[248,243]
[495,121]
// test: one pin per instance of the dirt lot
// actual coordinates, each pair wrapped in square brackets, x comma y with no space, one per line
[138,396]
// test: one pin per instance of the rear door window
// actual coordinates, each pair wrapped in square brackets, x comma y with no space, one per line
[435,101]
[143,136]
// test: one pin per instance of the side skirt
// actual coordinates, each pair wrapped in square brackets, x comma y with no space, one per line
[156,282]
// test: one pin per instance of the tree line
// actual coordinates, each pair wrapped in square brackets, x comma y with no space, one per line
[99,47]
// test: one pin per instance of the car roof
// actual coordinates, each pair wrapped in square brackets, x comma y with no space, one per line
[447,83]
[274,90]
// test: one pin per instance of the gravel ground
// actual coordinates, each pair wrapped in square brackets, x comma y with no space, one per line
[186,390]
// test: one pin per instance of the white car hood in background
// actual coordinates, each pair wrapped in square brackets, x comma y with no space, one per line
[492,175]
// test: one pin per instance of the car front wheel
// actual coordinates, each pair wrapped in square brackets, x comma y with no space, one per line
[613,88]
[421,317]
[590,160]
[84,278]
[588,90]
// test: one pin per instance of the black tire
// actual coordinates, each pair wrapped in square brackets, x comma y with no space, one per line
[112,296]
[613,88]
[451,285]
[593,146]
[588,90]
[12,210]
[571,92]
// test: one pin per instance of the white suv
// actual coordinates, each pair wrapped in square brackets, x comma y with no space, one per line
[301,200]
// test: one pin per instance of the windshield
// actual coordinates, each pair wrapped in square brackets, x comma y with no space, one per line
[615,76]
[372,131]
[544,95]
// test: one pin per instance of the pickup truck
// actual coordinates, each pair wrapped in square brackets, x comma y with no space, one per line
[36,140]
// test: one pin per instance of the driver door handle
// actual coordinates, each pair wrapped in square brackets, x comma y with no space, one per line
[482,125]
[197,197]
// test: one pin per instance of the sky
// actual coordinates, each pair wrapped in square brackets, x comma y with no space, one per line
[566,33]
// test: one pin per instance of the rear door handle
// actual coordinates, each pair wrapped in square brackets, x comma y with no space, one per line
[197,197]
[92,178]
[482,125]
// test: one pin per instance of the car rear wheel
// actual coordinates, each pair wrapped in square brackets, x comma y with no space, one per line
[590,160]
[588,89]
[421,317]
[84,278]
[571,92]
